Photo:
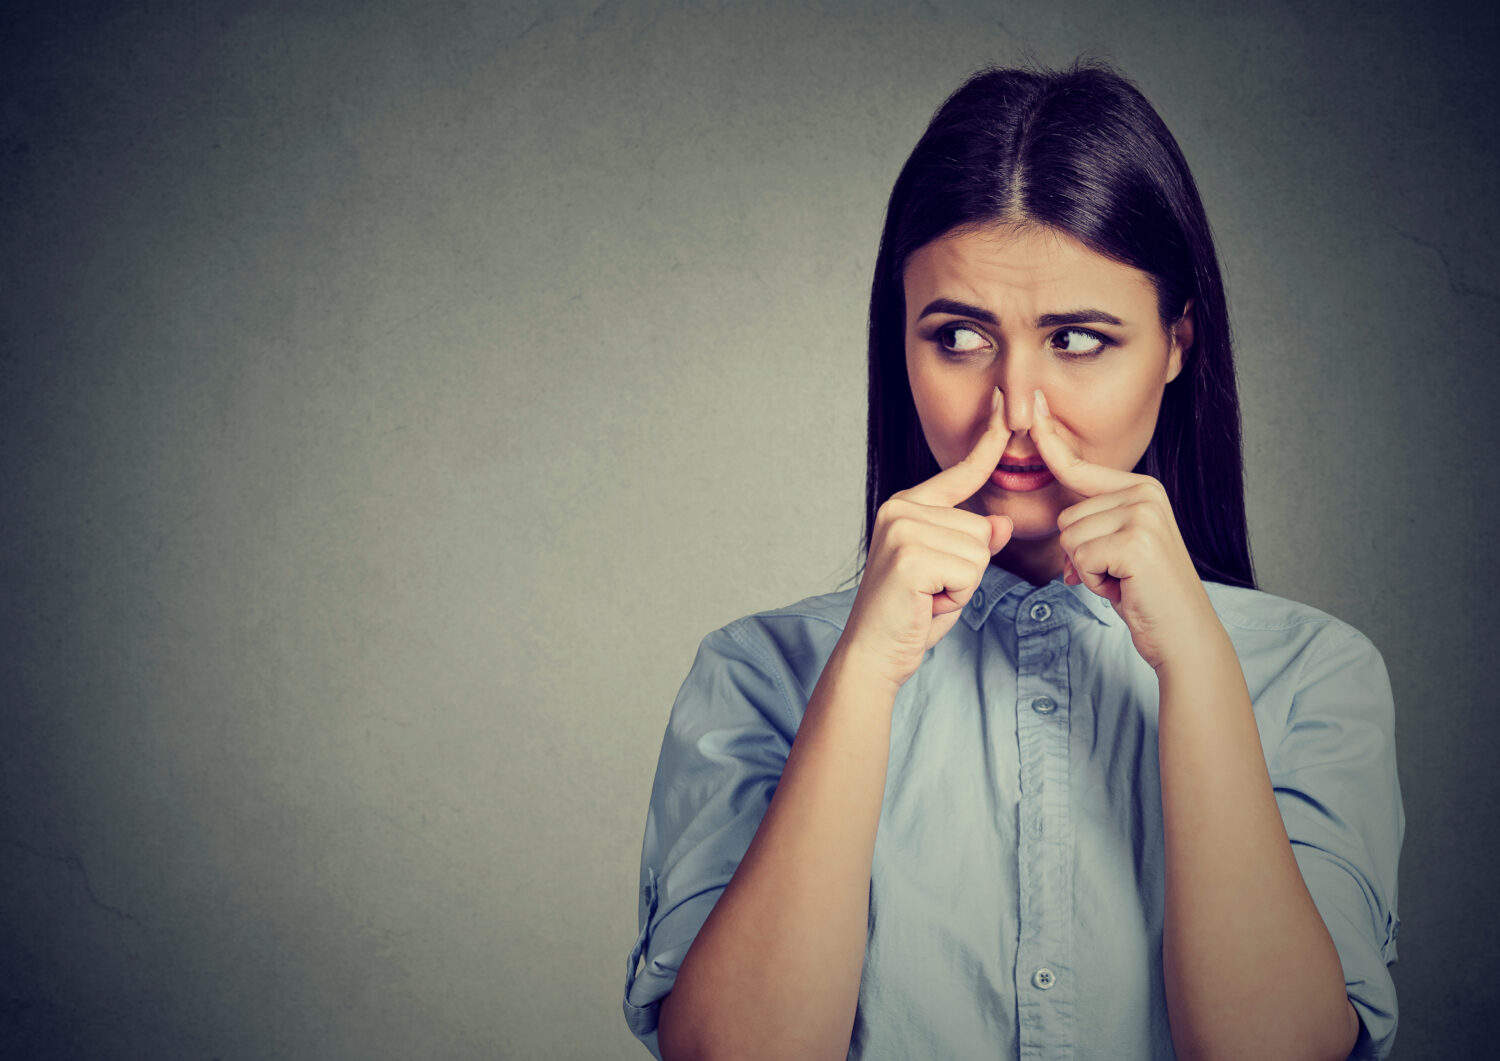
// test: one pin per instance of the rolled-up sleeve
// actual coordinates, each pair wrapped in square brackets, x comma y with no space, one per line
[727,740]
[1334,776]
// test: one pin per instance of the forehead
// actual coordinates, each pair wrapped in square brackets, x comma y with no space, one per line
[1024,271]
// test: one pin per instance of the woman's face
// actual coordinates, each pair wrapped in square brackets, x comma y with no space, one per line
[1027,308]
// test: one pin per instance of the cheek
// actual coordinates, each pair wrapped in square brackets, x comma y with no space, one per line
[935,405]
[1116,426]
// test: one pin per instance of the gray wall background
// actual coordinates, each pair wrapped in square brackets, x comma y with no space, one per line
[393,395]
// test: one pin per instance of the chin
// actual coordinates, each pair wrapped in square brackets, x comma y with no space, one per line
[1027,532]
[1031,521]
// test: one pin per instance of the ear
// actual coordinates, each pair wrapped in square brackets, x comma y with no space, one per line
[1182,341]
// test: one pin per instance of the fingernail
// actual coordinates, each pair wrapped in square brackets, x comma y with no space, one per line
[995,400]
[1041,402]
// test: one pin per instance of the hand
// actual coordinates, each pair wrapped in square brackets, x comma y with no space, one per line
[926,559]
[1122,542]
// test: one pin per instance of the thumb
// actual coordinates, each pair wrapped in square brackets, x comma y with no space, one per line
[1000,531]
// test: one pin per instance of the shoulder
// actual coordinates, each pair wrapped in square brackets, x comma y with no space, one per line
[1255,610]
[824,609]
[822,614]
[790,643]
[1274,632]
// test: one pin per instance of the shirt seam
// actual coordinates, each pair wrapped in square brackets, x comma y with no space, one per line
[766,662]
[774,613]
[1245,623]
[1317,654]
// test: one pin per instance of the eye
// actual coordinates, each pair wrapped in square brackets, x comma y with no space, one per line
[1085,351]
[1076,345]
[955,329]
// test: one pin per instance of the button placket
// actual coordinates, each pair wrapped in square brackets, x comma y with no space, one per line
[1045,838]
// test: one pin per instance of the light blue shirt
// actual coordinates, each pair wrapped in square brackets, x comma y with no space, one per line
[1018,881]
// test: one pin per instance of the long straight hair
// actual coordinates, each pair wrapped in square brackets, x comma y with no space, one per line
[1081,151]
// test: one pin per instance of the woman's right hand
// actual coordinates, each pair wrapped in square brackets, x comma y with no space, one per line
[926,559]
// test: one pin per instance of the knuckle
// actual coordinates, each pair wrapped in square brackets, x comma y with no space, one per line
[889,514]
[1147,512]
[901,526]
[894,507]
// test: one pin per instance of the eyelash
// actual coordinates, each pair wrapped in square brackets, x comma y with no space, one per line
[1104,341]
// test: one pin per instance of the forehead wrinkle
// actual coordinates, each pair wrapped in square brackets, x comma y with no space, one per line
[970,266]
[1017,302]
[1023,291]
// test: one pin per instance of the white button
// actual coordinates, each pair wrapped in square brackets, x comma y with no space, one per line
[1043,704]
[1043,978]
[1041,611]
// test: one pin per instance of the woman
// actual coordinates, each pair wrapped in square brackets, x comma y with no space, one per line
[1056,778]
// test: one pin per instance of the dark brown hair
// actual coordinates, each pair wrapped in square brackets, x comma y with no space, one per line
[1083,152]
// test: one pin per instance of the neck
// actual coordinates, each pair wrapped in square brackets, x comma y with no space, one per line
[1038,562]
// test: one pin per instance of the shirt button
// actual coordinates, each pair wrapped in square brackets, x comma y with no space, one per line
[978,598]
[1041,611]
[1043,978]
[1043,704]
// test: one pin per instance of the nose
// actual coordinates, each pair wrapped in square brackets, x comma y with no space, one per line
[1018,400]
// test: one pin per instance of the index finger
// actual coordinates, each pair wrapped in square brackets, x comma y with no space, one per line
[965,478]
[1065,463]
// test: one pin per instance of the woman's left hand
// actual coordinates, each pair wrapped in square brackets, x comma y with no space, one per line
[1122,542]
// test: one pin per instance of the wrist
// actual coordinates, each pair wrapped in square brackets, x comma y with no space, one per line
[854,661]
[1206,648]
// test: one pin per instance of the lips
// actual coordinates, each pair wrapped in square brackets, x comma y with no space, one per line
[1023,464]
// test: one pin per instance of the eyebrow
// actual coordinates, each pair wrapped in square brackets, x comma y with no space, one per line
[1046,320]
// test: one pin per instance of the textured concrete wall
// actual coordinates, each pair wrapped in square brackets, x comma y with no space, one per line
[393,394]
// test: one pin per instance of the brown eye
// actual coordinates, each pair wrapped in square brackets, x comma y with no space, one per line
[956,329]
[1083,350]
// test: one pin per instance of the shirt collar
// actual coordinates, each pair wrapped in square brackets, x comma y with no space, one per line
[998,584]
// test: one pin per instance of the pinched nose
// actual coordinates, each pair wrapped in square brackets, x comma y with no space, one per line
[1019,407]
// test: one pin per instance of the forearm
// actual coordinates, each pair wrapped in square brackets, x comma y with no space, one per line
[774,972]
[1250,968]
